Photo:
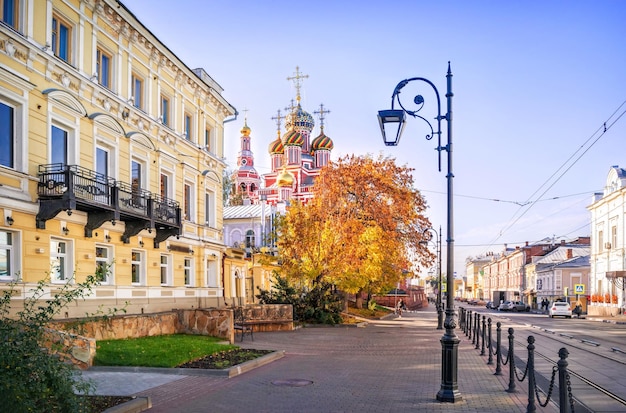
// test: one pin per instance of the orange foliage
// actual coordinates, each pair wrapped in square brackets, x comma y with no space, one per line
[362,229]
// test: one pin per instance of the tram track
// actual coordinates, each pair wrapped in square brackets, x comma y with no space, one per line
[588,394]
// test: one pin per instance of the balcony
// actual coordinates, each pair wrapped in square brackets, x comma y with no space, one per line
[71,187]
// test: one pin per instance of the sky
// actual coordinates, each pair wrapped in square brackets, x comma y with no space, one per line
[538,105]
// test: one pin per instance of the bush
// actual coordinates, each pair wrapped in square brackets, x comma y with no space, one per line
[34,377]
[320,304]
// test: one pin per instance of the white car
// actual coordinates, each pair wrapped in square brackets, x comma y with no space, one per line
[560,308]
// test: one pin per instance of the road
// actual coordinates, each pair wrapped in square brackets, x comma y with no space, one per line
[596,361]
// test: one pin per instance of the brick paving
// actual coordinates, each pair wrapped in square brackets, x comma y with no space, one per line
[390,365]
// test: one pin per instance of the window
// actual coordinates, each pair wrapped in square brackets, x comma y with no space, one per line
[250,241]
[614,237]
[211,269]
[188,125]
[188,202]
[188,270]
[104,261]
[7,269]
[165,186]
[7,135]
[600,241]
[9,11]
[165,110]
[103,67]
[136,182]
[137,90]
[209,207]
[61,37]
[207,139]
[165,269]
[137,267]
[60,261]
[58,146]
[102,162]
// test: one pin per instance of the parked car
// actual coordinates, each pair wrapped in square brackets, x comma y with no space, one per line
[560,308]
[490,305]
[513,306]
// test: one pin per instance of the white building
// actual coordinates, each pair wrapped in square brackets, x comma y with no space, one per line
[608,269]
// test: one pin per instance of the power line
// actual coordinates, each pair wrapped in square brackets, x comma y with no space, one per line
[600,132]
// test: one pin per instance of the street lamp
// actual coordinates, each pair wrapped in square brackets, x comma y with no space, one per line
[438,250]
[395,118]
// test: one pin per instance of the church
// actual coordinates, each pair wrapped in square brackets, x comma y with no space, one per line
[296,160]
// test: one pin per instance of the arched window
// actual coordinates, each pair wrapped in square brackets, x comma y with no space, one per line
[250,241]
[252,187]
[243,187]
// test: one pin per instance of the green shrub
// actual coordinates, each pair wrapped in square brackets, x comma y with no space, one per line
[34,377]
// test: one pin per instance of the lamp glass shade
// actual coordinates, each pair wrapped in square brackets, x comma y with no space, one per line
[392,123]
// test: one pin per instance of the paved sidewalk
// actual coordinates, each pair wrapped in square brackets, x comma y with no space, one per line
[388,366]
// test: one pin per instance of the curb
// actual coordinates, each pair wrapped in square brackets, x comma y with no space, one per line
[229,372]
[136,405]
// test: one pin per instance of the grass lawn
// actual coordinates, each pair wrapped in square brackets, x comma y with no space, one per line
[374,314]
[157,351]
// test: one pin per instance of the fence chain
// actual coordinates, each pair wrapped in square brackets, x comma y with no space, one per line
[569,393]
[550,389]
[525,373]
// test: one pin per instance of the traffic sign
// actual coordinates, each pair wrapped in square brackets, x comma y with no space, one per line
[579,288]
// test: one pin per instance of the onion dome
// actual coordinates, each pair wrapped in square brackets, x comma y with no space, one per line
[293,138]
[245,130]
[322,142]
[299,120]
[285,179]
[276,147]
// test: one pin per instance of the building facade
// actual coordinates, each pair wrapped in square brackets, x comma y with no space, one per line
[111,161]
[606,289]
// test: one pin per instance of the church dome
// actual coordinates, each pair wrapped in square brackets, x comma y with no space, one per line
[299,120]
[285,179]
[276,147]
[322,142]
[245,130]
[293,138]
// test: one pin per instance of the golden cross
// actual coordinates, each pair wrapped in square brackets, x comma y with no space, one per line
[322,112]
[297,76]
[279,119]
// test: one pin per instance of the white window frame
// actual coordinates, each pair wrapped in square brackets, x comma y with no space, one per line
[140,264]
[20,122]
[106,260]
[190,203]
[167,267]
[188,271]
[72,43]
[65,274]
[98,70]
[211,273]
[209,209]
[13,256]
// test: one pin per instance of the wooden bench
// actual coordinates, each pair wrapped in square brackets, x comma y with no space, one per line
[241,325]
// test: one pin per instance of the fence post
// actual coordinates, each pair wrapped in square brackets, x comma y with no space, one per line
[462,318]
[477,331]
[469,329]
[482,336]
[565,401]
[531,408]
[511,356]
[489,344]
[498,349]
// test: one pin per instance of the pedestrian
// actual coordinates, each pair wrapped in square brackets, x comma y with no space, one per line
[578,309]
[399,307]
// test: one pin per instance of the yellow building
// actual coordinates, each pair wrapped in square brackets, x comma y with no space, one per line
[111,156]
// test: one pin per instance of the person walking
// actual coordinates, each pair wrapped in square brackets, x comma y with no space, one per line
[399,307]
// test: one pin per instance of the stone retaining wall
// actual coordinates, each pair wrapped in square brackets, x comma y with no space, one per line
[80,336]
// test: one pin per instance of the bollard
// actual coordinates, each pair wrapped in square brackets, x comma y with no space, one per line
[565,401]
[511,356]
[531,408]
[498,349]
[490,352]
[477,332]
[469,329]
[462,318]
[482,336]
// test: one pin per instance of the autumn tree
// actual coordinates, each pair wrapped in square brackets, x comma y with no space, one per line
[361,230]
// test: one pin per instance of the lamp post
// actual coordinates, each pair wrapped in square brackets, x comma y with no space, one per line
[438,251]
[396,118]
